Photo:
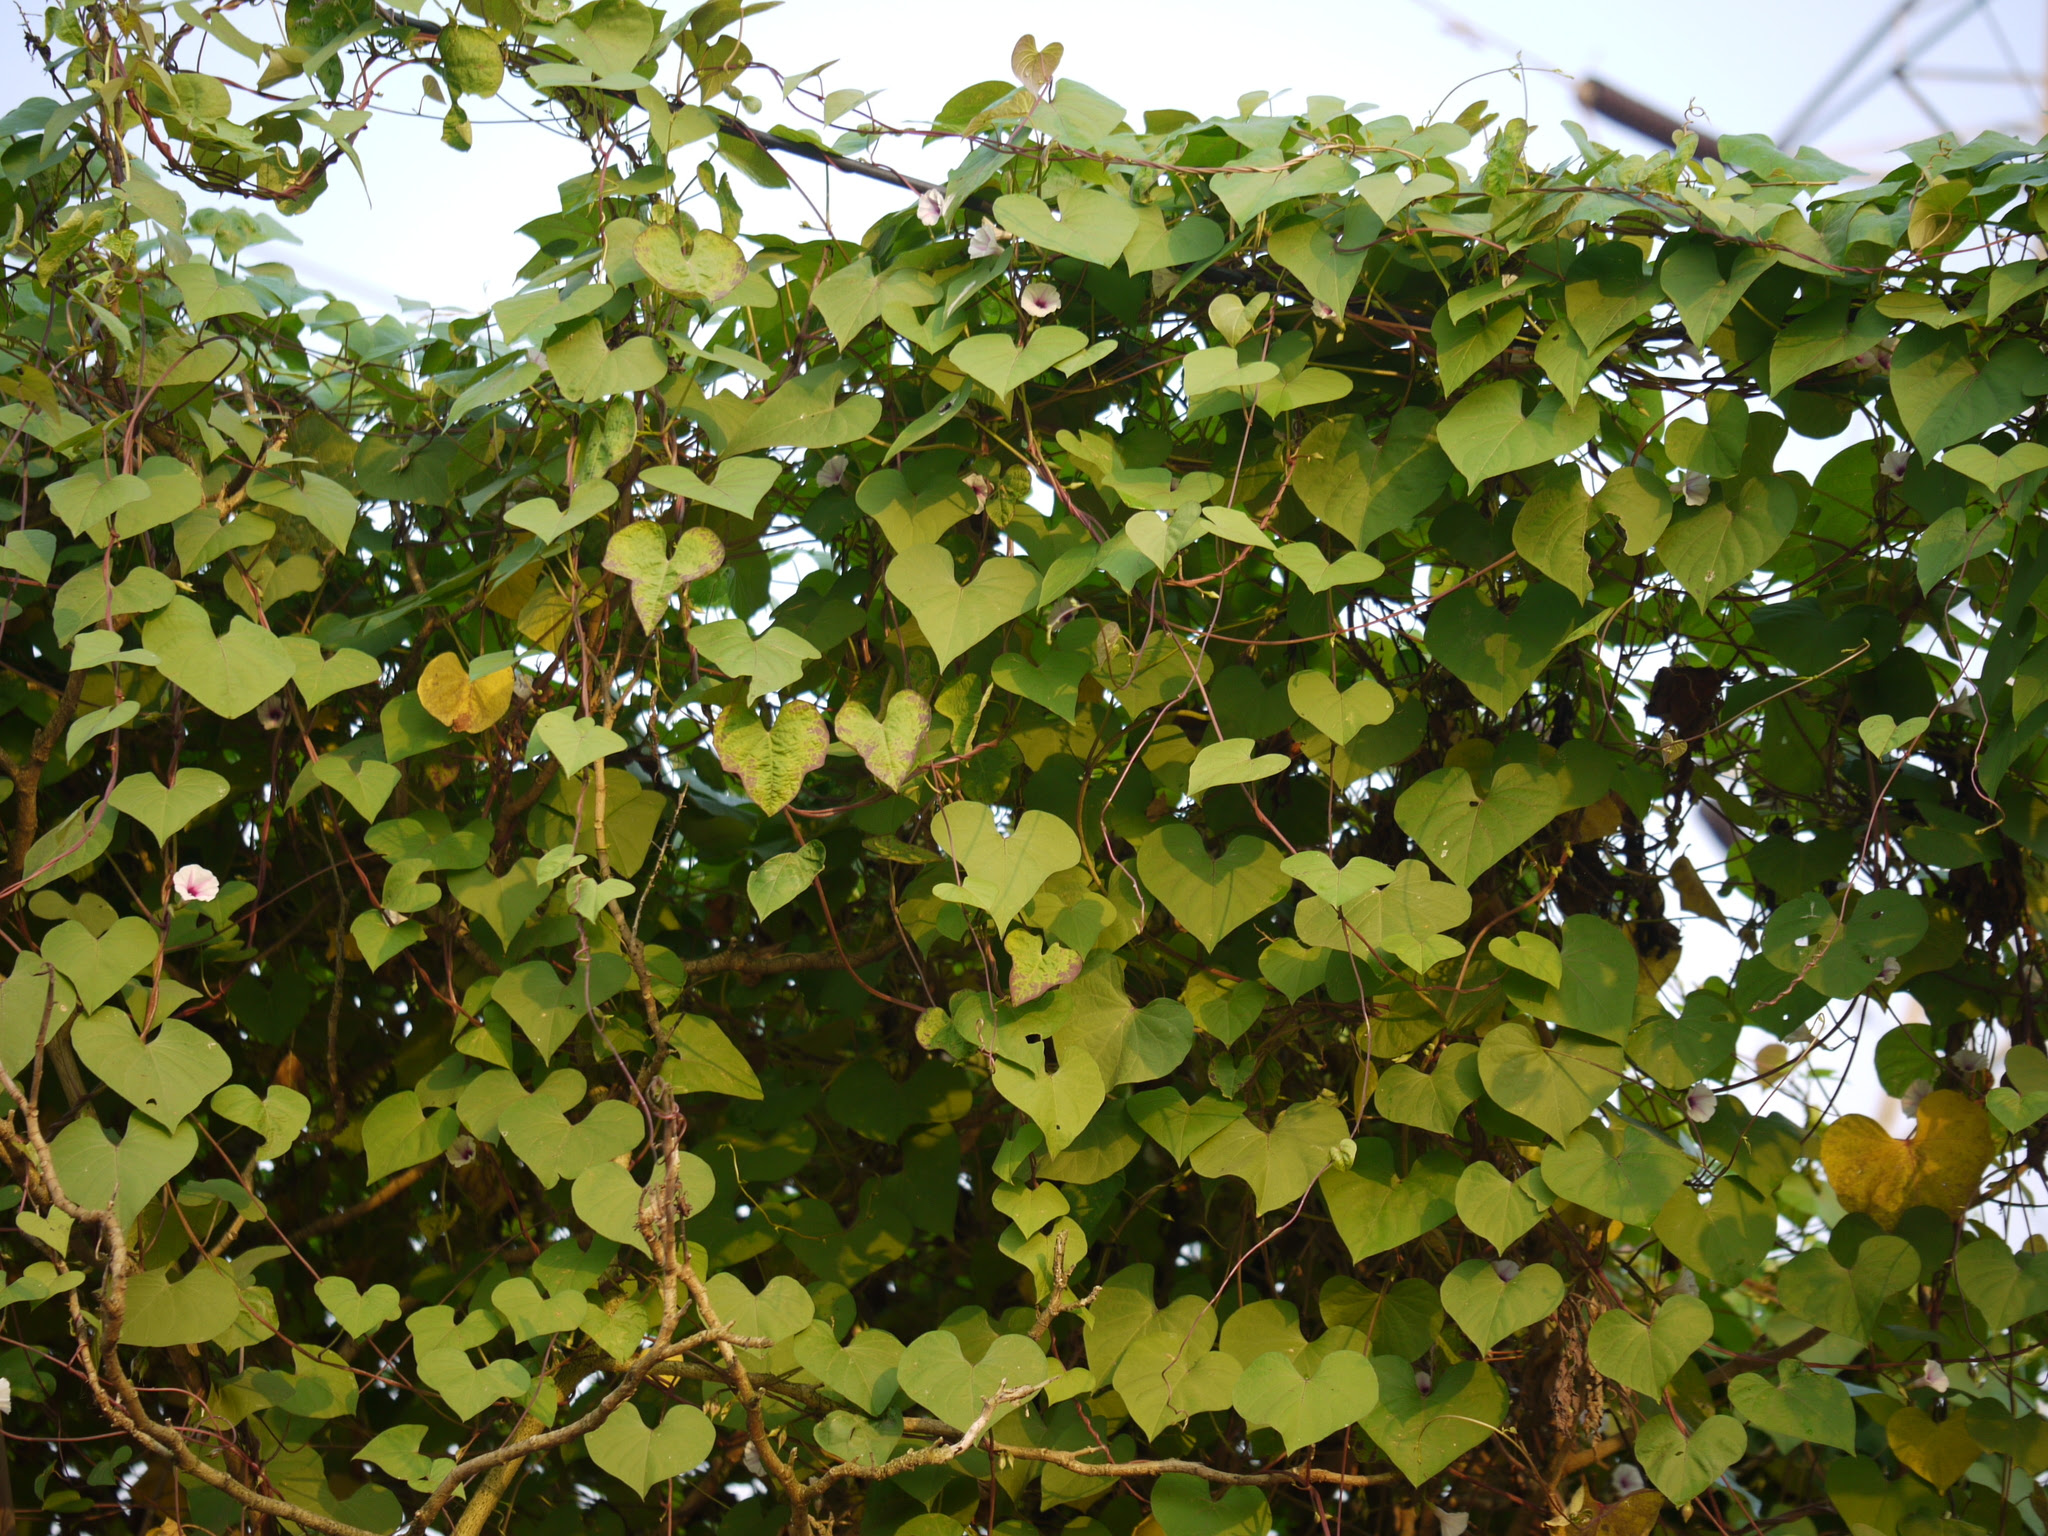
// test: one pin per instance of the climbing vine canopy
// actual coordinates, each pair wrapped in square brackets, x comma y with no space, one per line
[1186,842]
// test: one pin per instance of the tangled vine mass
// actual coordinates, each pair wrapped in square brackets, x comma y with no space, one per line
[1187,845]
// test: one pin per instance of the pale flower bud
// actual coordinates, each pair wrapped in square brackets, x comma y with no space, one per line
[1894,465]
[833,471]
[1450,1522]
[987,240]
[1909,1101]
[1507,1269]
[1697,488]
[1627,1479]
[1933,1376]
[1700,1103]
[932,206]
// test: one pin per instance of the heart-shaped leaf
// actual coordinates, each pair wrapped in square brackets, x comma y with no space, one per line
[448,693]
[540,1135]
[1623,1170]
[1054,681]
[1279,1164]
[588,370]
[1489,1308]
[737,485]
[863,1371]
[1816,1287]
[1061,1102]
[1684,1466]
[639,552]
[1319,573]
[98,967]
[166,1077]
[1994,470]
[781,1311]
[168,808]
[163,1312]
[1095,226]
[229,674]
[1177,1125]
[862,1441]
[378,938]
[888,745]
[1465,833]
[399,1133]
[1231,762]
[771,762]
[997,362]
[934,1372]
[955,618]
[1038,847]
[1339,714]
[770,662]
[1189,1506]
[1424,1434]
[1499,655]
[1375,1208]
[1941,1164]
[1487,432]
[1804,1405]
[608,1199]
[546,1008]
[1036,967]
[1724,1239]
[358,1312]
[520,1303]
[783,878]
[1495,1209]
[639,1456]
[1645,1356]
[1211,897]
[1552,1087]
[98,1174]
[1272,1393]
[710,269]
[1721,543]
[2003,1288]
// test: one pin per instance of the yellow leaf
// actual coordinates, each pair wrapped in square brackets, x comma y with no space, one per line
[451,698]
[1941,1166]
[1941,1453]
[1693,894]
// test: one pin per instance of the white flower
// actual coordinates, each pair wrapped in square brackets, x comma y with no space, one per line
[1507,1269]
[6,1395]
[1933,1376]
[1894,465]
[1700,1103]
[752,1457]
[1627,1479]
[522,686]
[461,1151]
[982,487]
[833,471]
[1323,311]
[273,712]
[1969,1061]
[987,240]
[1697,488]
[1450,1522]
[1040,300]
[1424,1382]
[1889,971]
[932,206]
[1687,1284]
[195,882]
[1917,1090]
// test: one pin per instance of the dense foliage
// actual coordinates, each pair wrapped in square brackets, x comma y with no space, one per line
[1022,871]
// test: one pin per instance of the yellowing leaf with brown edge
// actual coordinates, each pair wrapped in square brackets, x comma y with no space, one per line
[1941,1453]
[452,698]
[1941,1165]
